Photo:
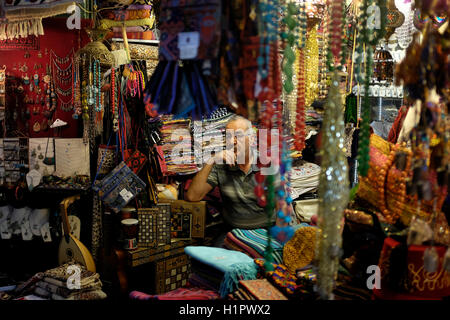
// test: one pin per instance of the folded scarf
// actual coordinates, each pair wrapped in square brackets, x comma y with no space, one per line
[63,290]
[283,280]
[234,264]
[85,284]
[51,288]
[258,239]
[227,244]
[42,293]
[28,286]
[83,295]
[62,273]
[235,242]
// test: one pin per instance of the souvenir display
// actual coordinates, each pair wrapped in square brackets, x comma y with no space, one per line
[224,150]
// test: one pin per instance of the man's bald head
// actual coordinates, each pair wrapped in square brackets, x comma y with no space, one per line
[237,122]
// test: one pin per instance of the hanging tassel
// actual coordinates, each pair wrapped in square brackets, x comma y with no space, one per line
[23,29]
[3,32]
[40,27]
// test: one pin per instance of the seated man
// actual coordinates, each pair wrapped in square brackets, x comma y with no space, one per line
[233,171]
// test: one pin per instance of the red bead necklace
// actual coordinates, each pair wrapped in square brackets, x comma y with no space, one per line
[113,90]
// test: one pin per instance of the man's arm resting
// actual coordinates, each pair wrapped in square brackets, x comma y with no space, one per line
[199,188]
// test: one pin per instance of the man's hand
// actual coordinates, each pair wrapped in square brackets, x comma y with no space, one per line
[223,157]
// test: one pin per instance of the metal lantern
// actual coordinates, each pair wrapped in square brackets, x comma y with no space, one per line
[395,19]
[96,49]
[384,66]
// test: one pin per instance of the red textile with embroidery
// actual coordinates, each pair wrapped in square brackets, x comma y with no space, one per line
[424,285]
[135,160]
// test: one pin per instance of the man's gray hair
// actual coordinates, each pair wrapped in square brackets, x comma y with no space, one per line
[236,117]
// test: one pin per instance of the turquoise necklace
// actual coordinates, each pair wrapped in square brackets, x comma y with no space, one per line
[97,86]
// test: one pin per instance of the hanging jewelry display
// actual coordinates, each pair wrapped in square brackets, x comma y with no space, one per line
[303,19]
[333,184]
[300,125]
[282,231]
[84,98]
[97,86]
[114,101]
[333,191]
[76,94]
[290,59]
[291,99]
[367,37]
[270,91]
[312,66]
[289,54]
[323,49]
[63,79]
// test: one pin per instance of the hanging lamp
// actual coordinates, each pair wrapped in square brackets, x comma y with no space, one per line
[95,49]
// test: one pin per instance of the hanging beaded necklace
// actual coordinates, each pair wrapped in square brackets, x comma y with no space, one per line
[300,125]
[268,28]
[96,89]
[90,87]
[312,66]
[289,54]
[300,133]
[271,86]
[77,92]
[114,101]
[73,84]
[303,23]
[333,187]
[282,231]
[84,100]
[63,77]
[366,39]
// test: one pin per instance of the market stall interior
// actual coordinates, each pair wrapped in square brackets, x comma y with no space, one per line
[224,150]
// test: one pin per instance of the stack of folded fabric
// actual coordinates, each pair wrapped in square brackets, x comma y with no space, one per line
[304,178]
[219,269]
[55,284]
[210,135]
[259,289]
[290,285]
[313,115]
[253,243]
[176,143]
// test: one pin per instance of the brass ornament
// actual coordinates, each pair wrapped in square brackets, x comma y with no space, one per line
[395,18]
[96,49]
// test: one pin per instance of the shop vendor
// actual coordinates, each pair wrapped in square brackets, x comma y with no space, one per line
[233,171]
